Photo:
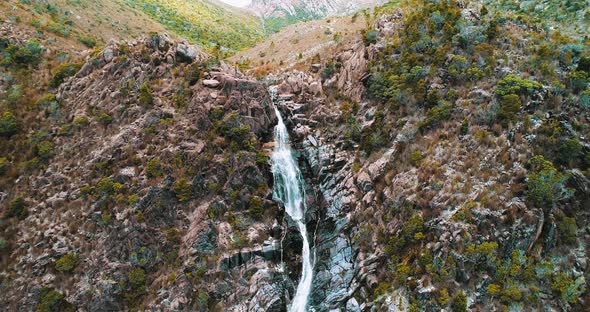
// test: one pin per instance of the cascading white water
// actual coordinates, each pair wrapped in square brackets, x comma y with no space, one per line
[288,189]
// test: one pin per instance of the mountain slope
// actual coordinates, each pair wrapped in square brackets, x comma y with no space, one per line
[88,22]
[281,13]
[205,22]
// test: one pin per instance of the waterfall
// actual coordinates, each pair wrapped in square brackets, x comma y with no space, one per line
[288,189]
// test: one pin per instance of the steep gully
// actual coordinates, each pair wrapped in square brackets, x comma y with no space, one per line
[289,190]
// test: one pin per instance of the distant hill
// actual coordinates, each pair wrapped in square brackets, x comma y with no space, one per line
[278,14]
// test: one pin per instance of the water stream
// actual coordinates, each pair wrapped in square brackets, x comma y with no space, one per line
[288,189]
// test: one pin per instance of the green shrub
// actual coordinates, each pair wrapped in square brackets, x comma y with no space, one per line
[3,165]
[585,100]
[510,105]
[570,151]
[44,150]
[53,301]
[578,80]
[135,287]
[173,236]
[62,72]
[8,124]
[45,101]
[182,190]
[106,187]
[145,95]
[512,84]
[416,158]
[17,208]
[105,119]
[443,298]
[81,121]
[435,115]
[402,272]
[545,185]
[465,127]
[568,230]
[154,168]
[255,208]
[459,303]
[28,55]
[370,36]
[563,285]
[67,263]
[87,41]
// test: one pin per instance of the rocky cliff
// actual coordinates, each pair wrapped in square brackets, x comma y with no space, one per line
[445,156]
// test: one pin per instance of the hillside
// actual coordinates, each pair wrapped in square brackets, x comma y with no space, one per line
[80,22]
[205,22]
[424,156]
[277,14]
[306,41]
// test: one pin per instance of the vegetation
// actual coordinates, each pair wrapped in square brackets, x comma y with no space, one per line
[17,208]
[62,72]
[67,263]
[8,124]
[203,23]
[545,184]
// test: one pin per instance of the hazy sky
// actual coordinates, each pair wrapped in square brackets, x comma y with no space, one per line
[239,3]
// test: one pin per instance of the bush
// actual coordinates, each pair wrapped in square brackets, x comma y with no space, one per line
[81,121]
[512,84]
[145,95]
[105,119]
[88,42]
[62,72]
[443,298]
[182,190]
[173,236]
[568,230]
[28,55]
[545,185]
[570,151]
[510,105]
[579,80]
[436,115]
[416,158]
[459,303]
[255,208]
[44,150]
[53,301]
[17,208]
[154,168]
[106,187]
[370,36]
[3,166]
[67,263]
[8,124]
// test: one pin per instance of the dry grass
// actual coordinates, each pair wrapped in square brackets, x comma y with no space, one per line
[301,42]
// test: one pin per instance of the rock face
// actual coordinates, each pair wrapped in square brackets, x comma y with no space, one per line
[152,201]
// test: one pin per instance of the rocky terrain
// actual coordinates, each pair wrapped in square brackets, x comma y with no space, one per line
[444,150]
